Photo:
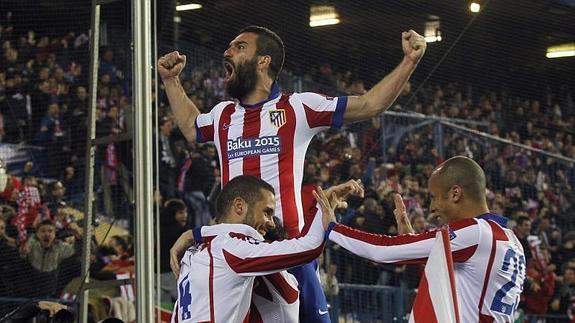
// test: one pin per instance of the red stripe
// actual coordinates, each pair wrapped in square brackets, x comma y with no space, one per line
[462,255]
[488,271]
[207,132]
[225,119]
[423,310]
[286,163]
[270,263]
[252,126]
[383,240]
[485,318]
[498,232]
[254,315]
[318,118]
[212,310]
[286,290]
[447,251]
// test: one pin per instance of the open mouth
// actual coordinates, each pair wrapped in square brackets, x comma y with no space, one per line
[229,68]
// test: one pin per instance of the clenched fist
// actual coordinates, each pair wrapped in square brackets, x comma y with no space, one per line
[171,65]
[413,45]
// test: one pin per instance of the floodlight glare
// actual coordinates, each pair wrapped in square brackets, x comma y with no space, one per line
[563,50]
[189,6]
[474,7]
[323,15]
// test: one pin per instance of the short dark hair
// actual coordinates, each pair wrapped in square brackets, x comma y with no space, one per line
[246,187]
[171,207]
[269,43]
[522,219]
[46,222]
[464,172]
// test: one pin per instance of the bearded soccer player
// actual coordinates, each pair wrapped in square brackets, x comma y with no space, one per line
[265,133]
[489,262]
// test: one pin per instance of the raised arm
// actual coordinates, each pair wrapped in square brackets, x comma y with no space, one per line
[384,93]
[169,67]
[407,248]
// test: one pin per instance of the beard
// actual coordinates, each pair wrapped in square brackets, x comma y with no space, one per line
[244,81]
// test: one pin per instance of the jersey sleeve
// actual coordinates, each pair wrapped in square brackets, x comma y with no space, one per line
[407,248]
[206,122]
[322,111]
[248,256]
[205,127]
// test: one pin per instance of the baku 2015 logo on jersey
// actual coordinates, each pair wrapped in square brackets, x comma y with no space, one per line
[278,117]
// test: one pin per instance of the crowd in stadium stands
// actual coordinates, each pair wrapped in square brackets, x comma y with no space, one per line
[44,102]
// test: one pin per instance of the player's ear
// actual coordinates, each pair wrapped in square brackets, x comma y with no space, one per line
[455,193]
[239,206]
[264,61]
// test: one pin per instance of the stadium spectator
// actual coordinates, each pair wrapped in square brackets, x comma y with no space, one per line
[168,165]
[199,181]
[522,231]
[44,251]
[562,301]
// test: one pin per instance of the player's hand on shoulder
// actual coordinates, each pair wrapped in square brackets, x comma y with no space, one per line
[185,241]
[171,65]
[413,45]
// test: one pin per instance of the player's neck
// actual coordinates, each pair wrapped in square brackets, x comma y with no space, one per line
[472,210]
[260,93]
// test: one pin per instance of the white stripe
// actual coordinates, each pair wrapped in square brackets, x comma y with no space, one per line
[269,164]
[236,166]
[302,138]
[437,272]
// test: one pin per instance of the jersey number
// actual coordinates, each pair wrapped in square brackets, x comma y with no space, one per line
[185,301]
[518,266]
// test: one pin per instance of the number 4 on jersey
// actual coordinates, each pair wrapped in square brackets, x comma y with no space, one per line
[185,300]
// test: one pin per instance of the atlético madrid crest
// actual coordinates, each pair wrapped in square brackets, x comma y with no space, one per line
[278,117]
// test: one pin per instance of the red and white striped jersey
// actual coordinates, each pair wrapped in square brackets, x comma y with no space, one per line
[269,140]
[275,299]
[488,259]
[216,281]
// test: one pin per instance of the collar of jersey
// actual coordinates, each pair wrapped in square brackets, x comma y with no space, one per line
[239,228]
[275,92]
[502,221]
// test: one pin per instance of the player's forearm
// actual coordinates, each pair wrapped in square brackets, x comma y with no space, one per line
[382,248]
[185,111]
[251,259]
[381,96]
